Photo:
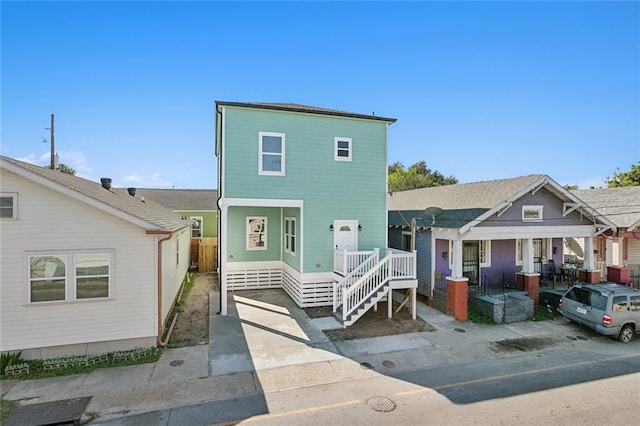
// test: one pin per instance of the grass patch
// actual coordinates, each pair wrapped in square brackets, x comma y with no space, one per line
[6,408]
[545,312]
[474,315]
[39,368]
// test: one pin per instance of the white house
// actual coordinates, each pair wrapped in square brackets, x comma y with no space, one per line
[85,268]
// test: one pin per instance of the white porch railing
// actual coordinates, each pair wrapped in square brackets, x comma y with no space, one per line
[368,279]
[344,262]
[352,277]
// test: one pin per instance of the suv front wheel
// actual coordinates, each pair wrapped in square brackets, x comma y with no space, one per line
[626,333]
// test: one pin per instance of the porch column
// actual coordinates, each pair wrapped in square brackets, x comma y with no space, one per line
[222,262]
[457,297]
[527,256]
[589,273]
[456,271]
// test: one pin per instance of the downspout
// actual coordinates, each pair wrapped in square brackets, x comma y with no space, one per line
[160,241]
[219,219]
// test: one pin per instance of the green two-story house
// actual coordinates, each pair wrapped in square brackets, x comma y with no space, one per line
[302,204]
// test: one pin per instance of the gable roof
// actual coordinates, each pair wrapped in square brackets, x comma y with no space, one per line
[620,205]
[181,199]
[305,109]
[148,215]
[467,204]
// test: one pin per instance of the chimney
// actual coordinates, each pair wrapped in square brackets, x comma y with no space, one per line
[106,183]
[132,191]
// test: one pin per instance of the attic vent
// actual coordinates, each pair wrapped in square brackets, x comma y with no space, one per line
[132,191]
[106,183]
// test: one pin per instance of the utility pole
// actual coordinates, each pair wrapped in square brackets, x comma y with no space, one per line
[53,153]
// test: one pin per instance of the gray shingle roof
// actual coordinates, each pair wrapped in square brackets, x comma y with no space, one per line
[619,205]
[305,108]
[157,217]
[181,199]
[476,195]
[466,202]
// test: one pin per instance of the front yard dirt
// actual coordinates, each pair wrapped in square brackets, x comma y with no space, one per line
[192,324]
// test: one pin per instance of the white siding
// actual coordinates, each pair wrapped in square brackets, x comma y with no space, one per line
[48,220]
[173,272]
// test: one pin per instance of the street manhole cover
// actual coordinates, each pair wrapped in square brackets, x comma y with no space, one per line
[176,363]
[388,364]
[382,404]
[366,366]
[460,330]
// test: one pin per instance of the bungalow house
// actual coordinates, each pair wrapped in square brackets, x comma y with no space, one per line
[491,235]
[85,268]
[199,205]
[617,254]
[303,206]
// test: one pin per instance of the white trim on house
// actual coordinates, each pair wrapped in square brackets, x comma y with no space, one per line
[14,205]
[281,154]
[225,203]
[337,149]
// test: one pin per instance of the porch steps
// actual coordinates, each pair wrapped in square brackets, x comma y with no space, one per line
[518,307]
[363,308]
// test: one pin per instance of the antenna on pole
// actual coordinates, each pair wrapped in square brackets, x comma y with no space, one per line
[433,212]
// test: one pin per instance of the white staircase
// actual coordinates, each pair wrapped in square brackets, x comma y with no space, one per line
[370,282]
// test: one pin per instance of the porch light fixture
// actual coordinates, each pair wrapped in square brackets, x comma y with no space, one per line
[331,227]
[359,227]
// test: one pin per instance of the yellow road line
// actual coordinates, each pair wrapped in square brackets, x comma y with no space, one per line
[431,389]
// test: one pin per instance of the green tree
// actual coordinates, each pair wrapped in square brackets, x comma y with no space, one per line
[630,178]
[416,176]
[65,169]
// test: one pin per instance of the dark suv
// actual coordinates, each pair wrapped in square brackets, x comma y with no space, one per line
[609,309]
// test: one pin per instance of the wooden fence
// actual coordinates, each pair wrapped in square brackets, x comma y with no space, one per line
[204,252]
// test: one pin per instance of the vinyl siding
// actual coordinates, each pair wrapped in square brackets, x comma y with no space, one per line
[49,221]
[330,189]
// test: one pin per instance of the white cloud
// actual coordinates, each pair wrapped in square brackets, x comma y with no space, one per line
[153,180]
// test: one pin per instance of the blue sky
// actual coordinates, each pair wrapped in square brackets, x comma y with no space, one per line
[481,90]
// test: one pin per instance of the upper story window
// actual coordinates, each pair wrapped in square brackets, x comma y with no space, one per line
[271,155]
[70,276]
[290,235]
[257,233]
[532,213]
[342,149]
[197,227]
[8,205]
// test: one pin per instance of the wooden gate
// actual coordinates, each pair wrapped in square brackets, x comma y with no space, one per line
[207,254]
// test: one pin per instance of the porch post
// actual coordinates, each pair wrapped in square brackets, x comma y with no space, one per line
[457,259]
[589,273]
[222,233]
[527,256]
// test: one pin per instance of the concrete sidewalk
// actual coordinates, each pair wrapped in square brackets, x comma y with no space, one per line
[268,344]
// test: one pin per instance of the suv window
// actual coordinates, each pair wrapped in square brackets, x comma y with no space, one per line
[588,297]
[619,304]
[635,303]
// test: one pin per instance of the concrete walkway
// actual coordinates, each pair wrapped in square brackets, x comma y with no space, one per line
[268,344]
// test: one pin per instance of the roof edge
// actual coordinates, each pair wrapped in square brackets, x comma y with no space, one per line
[309,110]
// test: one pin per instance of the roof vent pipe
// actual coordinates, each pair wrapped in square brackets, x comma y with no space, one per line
[132,191]
[106,183]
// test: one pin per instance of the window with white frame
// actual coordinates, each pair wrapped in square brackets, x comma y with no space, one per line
[271,153]
[532,213]
[541,249]
[342,149]
[70,276]
[197,227]
[8,205]
[256,233]
[290,235]
[484,251]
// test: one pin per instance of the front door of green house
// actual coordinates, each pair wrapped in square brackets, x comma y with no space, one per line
[345,235]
